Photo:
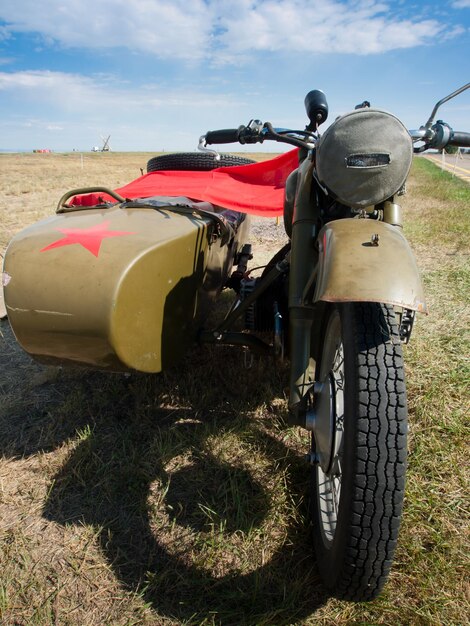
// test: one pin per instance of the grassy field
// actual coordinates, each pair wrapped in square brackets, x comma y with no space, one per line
[182,498]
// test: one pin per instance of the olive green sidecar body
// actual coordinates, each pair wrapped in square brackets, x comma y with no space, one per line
[119,287]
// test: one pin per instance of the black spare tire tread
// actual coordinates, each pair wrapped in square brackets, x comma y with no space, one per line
[194,161]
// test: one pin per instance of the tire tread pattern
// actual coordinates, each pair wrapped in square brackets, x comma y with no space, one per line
[194,161]
[381,452]
[357,564]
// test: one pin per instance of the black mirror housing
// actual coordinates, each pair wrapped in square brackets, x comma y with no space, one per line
[316,107]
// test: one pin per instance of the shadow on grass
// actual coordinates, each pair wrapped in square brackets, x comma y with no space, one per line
[145,472]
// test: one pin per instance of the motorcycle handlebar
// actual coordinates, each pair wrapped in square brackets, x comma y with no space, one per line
[459,139]
[439,136]
[227,135]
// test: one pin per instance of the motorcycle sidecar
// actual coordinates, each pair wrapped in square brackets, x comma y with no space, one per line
[120,287]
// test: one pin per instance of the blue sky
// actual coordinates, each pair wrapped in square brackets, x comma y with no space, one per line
[156,74]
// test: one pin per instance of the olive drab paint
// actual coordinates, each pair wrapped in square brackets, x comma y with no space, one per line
[116,288]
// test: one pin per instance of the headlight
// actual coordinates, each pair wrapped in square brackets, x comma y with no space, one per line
[364,157]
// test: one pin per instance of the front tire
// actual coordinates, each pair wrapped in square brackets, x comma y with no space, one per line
[360,448]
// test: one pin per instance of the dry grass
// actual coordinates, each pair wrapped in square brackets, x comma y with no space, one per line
[182,499]
[33,183]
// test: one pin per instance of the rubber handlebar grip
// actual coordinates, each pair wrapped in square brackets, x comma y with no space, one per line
[227,135]
[459,139]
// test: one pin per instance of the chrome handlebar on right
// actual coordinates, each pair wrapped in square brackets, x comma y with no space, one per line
[438,135]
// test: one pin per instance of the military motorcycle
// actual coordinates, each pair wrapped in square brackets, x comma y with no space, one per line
[122,280]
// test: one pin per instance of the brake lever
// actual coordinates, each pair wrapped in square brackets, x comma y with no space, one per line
[271,133]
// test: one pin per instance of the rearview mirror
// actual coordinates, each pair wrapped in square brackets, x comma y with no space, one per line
[316,107]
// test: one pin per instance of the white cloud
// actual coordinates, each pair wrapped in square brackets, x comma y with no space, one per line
[92,93]
[4,33]
[38,79]
[461,4]
[221,29]
[56,90]
[322,27]
[164,28]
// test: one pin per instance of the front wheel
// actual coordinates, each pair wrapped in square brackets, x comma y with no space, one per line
[359,444]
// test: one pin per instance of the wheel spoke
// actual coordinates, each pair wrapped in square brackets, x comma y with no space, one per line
[329,481]
[335,497]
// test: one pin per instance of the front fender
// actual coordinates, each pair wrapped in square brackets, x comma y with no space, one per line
[363,260]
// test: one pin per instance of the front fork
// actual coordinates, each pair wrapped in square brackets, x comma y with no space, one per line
[303,261]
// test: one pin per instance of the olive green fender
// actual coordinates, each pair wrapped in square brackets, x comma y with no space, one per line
[363,260]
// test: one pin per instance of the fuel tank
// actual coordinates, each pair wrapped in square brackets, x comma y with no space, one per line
[119,288]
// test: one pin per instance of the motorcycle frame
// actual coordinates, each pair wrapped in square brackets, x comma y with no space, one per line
[345,260]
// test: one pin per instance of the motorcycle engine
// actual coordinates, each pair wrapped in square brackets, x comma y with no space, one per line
[364,157]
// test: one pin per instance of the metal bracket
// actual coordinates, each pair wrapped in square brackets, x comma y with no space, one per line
[406,325]
[202,147]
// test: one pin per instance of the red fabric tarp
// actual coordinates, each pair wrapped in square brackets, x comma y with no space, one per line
[257,189]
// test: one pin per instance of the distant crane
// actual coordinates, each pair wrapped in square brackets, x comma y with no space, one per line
[105,147]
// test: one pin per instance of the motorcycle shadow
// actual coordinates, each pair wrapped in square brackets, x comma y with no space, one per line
[34,401]
[173,497]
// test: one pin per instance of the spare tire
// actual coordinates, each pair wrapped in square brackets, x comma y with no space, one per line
[194,161]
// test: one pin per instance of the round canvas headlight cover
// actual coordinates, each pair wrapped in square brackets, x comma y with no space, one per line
[364,157]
